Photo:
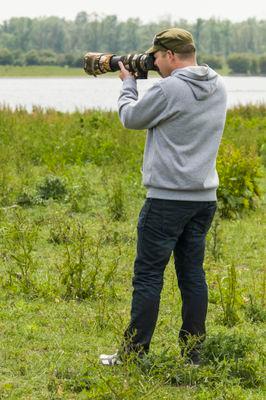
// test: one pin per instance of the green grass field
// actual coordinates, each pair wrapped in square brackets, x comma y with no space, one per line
[10,71]
[70,194]
[39,71]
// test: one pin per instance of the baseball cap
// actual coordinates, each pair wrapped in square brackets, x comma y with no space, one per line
[174,39]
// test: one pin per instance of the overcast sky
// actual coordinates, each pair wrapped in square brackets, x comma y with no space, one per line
[146,10]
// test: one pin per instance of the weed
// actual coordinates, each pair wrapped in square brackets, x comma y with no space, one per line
[60,230]
[221,392]
[25,199]
[69,380]
[72,270]
[249,371]
[230,297]
[83,272]
[254,311]
[18,241]
[215,242]
[226,346]
[116,205]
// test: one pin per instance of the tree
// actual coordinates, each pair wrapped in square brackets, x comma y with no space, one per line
[6,57]
[20,29]
[130,39]
[110,34]
[197,33]
[94,32]
[32,58]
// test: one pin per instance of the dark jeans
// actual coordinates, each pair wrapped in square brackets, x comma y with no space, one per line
[167,226]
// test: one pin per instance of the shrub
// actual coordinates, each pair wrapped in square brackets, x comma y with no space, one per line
[83,272]
[254,311]
[262,64]
[213,61]
[240,63]
[6,57]
[47,57]
[262,149]
[249,372]
[52,187]
[66,60]
[254,65]
[226,345]
[238,169]
[32,58]
[18,58]
[24,199]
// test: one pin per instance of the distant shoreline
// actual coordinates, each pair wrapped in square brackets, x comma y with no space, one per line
[37,71]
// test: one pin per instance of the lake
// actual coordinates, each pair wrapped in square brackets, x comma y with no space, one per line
[70,94]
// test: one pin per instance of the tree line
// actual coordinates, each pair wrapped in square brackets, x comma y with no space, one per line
[57,41]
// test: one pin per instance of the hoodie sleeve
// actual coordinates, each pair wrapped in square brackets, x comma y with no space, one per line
[144,113]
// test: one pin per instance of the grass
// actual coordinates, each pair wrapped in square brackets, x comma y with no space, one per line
[45,71]
[10,71]
[70,196]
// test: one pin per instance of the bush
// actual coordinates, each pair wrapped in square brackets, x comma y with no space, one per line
[254,311]
[18,58]
[52,187]
[254,66]
[262,149]
[32,58]
[66,60]
[249,372]
[238,169]
[47,57]
[6,57]
[240,63]
[262,64]
[215,62]
[226,346]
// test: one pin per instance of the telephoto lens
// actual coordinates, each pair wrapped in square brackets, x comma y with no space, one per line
[100,63]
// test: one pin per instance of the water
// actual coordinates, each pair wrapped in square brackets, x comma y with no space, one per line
[70,94]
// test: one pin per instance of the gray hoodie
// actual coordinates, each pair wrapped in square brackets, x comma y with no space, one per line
[185,116]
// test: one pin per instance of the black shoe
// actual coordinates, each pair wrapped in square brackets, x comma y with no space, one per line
[193,360]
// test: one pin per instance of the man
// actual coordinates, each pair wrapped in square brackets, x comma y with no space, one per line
[185,115]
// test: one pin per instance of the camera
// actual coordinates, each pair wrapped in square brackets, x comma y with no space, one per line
[100,63]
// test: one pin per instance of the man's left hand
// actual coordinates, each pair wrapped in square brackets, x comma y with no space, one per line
[124,73]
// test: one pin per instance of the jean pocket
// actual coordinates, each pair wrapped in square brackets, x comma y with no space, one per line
[144,213]
[210,212]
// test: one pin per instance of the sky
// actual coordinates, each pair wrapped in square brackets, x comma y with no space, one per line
[145,10]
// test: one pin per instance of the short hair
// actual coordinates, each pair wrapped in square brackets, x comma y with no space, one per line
[185,52]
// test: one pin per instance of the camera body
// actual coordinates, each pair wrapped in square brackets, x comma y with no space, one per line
[100,63]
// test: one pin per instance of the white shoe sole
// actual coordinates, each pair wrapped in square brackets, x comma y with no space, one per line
[110,360]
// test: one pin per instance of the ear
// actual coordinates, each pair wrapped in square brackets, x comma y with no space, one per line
[171,55]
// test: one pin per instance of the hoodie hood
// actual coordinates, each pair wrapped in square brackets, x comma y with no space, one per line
[201,79]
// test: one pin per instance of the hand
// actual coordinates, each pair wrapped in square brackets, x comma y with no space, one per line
[124,73]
